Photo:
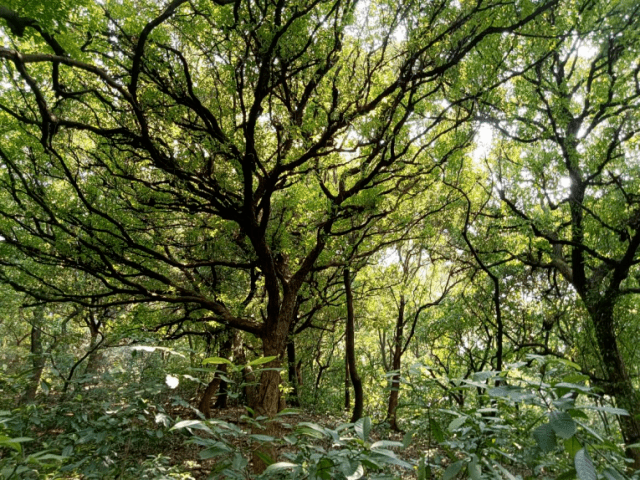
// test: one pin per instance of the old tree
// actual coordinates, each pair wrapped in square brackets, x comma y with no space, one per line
[214,154]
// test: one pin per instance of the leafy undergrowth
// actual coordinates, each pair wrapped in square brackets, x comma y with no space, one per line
[518,428]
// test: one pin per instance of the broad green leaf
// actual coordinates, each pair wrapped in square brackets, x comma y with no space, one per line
[452,470]
[545,438]
[214,451]
[266,459]
[260,361]
[456,423]
[562,424]
[349,467]
[612,474]
[572,446]
[216,361]
[358,473]
[362,428]
[406,439]
[575,413]
[324,468]
[611,410]
[584,466]
[474,470]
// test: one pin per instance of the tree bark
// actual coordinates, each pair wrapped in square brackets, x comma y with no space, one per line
[95,355]
[347,384]
[267,400]
[351,354]
[217,384]
[293,373]
[37,362]
[395,367]
[205,402]
[619,384]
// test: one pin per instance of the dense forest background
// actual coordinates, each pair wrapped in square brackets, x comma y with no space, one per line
[320,239]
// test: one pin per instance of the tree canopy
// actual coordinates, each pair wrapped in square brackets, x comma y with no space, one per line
[260,173]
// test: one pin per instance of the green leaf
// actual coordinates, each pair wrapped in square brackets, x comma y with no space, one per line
[197,424]
[584,466]
[452,470]
[611,410]
[386,443]
[13,443]
[456,423]
[474,470]
[505,472]
[216,361]
[569,474]
[436,430]
[224,378]
[358,473]
[288,411]
[214,451]
[612,474]
[349,467]
[260,361]
[45,387]
[266,459]
[562,424]
[575,413]
[406,439]
[545,438]
[262,438]
[362,428]
[572,386]
[572,446]
[422,468]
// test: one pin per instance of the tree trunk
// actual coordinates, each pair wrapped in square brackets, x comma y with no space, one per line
[619,383]
[95,355]
[347,384]
[293,373]
[217,384]
[223,396]
[267,402]
[205,402]
[351,353]
[37,362]
[395,368]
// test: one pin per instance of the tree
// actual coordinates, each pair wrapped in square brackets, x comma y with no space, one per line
[412,295]
[196,153]
[565,169]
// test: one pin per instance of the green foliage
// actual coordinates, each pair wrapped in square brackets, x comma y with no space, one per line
[321,453]
[522,426]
